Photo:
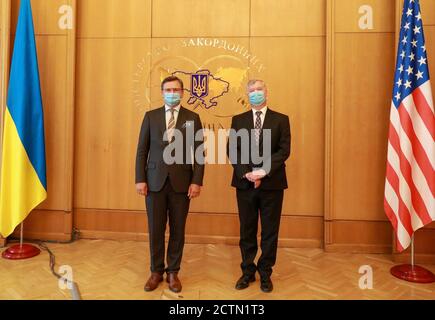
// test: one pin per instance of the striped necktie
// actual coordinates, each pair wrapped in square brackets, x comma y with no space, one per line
[171,124]
[258,127]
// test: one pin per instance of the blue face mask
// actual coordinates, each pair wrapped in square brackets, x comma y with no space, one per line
[172,99]
[257,98]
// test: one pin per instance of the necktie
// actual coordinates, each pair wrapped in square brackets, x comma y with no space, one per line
[171,125]
[258,127]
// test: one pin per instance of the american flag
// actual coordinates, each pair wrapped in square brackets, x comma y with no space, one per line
[410,178]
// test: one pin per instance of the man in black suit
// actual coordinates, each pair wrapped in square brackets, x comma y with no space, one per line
[168,186]
[260,184]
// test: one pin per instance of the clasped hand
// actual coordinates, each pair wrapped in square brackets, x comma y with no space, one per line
[255,177]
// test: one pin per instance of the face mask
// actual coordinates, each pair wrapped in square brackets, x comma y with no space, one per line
[257,98]
[172,98]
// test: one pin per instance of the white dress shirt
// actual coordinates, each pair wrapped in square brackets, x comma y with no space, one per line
[168,114]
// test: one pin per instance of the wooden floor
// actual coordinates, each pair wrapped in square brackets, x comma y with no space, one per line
[118,270]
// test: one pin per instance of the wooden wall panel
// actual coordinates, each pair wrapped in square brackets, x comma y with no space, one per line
[428,12]
[358,236]
[362,93]
[51,58]
[360,67]
[288,18]
[108,123]
[429,33]
[347,15]
[191,18]
[114,18]
[296,87]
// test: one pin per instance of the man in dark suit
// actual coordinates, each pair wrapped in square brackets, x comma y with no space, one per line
[168,186]
[260,185]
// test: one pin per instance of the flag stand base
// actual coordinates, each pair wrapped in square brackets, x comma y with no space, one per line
[412,273]
[21,252]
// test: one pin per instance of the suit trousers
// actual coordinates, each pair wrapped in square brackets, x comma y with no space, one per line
[252,204]
[162,205]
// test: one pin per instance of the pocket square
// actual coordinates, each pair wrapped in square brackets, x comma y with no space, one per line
[187,124]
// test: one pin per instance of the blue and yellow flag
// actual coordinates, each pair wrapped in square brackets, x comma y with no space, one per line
[23,173]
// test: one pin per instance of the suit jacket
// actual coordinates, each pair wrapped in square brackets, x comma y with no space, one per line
[279,125]
[150,166]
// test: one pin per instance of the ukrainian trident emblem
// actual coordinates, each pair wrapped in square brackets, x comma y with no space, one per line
[199,85]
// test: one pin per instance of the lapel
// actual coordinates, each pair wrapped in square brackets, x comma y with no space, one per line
[267,124]
[249,121]
[181,120]
[162,120]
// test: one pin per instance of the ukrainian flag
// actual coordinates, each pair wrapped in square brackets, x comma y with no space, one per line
[23,174]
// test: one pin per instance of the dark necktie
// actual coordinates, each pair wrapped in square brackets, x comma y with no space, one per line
[258,127]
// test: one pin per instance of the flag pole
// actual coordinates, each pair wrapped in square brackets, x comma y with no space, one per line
[412,252]
[21,235]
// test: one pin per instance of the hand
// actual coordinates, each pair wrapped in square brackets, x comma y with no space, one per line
[142,189]
[194,191]
[259,174]
[250,177]
[255,175]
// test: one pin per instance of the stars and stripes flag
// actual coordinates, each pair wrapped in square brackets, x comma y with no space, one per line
[410,178]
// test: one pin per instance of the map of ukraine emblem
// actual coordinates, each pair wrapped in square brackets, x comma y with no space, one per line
[205,89]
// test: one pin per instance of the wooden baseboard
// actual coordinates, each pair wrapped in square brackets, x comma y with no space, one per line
[295,231]
[44,236]
[358,248]
[194,239]
[358,236]
[47,225]
[420,258]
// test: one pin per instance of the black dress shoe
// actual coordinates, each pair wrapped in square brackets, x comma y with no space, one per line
[244,281]
[266,285]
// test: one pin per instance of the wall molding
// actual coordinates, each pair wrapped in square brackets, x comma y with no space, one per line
[295,231]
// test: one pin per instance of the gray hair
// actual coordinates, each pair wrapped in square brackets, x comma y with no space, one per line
[254,81]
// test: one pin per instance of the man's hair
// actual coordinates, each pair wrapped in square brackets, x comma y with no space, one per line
[254,81]
[171,79]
